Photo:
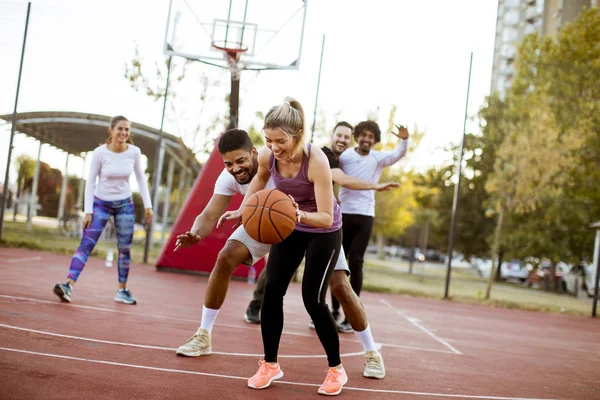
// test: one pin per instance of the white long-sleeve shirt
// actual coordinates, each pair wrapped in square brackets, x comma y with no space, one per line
[112,170]
[368,168]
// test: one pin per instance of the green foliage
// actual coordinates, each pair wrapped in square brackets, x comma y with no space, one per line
[395,209]
[25,167]
[547,171]
[189,97]
[256,137]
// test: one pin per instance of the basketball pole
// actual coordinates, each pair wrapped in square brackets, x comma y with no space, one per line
[457,189]
[12,128]
[234,101]
[158,162]
[318,86]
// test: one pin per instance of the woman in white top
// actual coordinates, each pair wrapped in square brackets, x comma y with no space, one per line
[112,165]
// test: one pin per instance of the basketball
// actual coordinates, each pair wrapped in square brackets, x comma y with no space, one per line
[269,216]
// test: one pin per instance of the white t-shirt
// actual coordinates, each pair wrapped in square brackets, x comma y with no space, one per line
[368,168]
[227,185]
[113,171]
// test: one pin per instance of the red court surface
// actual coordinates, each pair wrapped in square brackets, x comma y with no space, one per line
[95,348]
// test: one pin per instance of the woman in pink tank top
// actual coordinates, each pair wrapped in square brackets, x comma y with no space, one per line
[302,171]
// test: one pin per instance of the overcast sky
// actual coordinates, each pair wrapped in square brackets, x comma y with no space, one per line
[378,53]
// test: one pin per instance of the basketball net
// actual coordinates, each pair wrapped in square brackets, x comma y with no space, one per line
[235,67]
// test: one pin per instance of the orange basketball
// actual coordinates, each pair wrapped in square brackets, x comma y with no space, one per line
[269,216]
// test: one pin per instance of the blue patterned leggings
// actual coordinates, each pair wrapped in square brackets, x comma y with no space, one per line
[122,210]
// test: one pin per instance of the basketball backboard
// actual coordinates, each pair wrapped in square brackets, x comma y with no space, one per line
[269,32]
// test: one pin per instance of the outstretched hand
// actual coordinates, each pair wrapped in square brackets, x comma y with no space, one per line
[402,132]
[382,187]
[186,240]
[230,216]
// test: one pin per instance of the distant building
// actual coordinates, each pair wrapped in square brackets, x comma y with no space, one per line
[519,18]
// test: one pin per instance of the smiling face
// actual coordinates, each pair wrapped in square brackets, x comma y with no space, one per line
[366,139]
[281,145]
[120,133]
[241,164]
[341,139]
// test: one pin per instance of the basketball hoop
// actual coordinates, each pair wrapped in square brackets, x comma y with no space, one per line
[232,52]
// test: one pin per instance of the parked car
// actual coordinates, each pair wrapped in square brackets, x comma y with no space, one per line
[434,255]
[514,270]
[482,266]
[580,278]
[541,275]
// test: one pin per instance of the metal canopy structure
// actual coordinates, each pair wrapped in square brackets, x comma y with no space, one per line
[77,133]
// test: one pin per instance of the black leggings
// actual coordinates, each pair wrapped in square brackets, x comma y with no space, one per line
[357,230]
[322,250]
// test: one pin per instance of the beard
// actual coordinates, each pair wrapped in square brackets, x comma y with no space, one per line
[245,175]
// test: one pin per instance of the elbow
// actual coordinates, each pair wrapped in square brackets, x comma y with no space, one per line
[328,223]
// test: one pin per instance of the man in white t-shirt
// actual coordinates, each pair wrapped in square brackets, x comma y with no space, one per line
[358,206]
[241,164]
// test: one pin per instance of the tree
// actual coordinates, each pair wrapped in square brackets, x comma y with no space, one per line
[191,97]
[544,177]
[25,168]
[394,209]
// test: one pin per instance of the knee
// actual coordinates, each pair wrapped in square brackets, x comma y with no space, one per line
[226,262]
[312,300]
[340,286]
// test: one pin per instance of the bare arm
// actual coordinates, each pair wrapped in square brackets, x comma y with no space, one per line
[351,182]
[320,173]
[204,222]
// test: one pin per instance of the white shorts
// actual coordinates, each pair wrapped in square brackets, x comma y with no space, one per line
[257,249]
[342,264]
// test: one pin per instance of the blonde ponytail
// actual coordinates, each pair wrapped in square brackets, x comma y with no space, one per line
[289,118]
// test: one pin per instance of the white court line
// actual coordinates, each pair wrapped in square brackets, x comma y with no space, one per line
[180,371]
[144,346]
[16,260]
[55,303]
[416,323]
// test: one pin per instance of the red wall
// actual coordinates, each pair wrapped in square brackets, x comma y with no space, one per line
[202,257]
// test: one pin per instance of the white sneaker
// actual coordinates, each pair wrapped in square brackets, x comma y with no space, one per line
[197,345]
[374,367]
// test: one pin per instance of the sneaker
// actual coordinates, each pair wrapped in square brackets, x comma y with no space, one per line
[252,315]
[311,325]
[266,374]
[345,327]
[374,367]
[63,291]
[334,381]
[124,296]
[197,345]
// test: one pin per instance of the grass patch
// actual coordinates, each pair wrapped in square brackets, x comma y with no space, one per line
[470,290]
[42,238]
[379,276]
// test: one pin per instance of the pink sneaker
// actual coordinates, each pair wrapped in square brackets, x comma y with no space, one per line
[266,374]
[334,381]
